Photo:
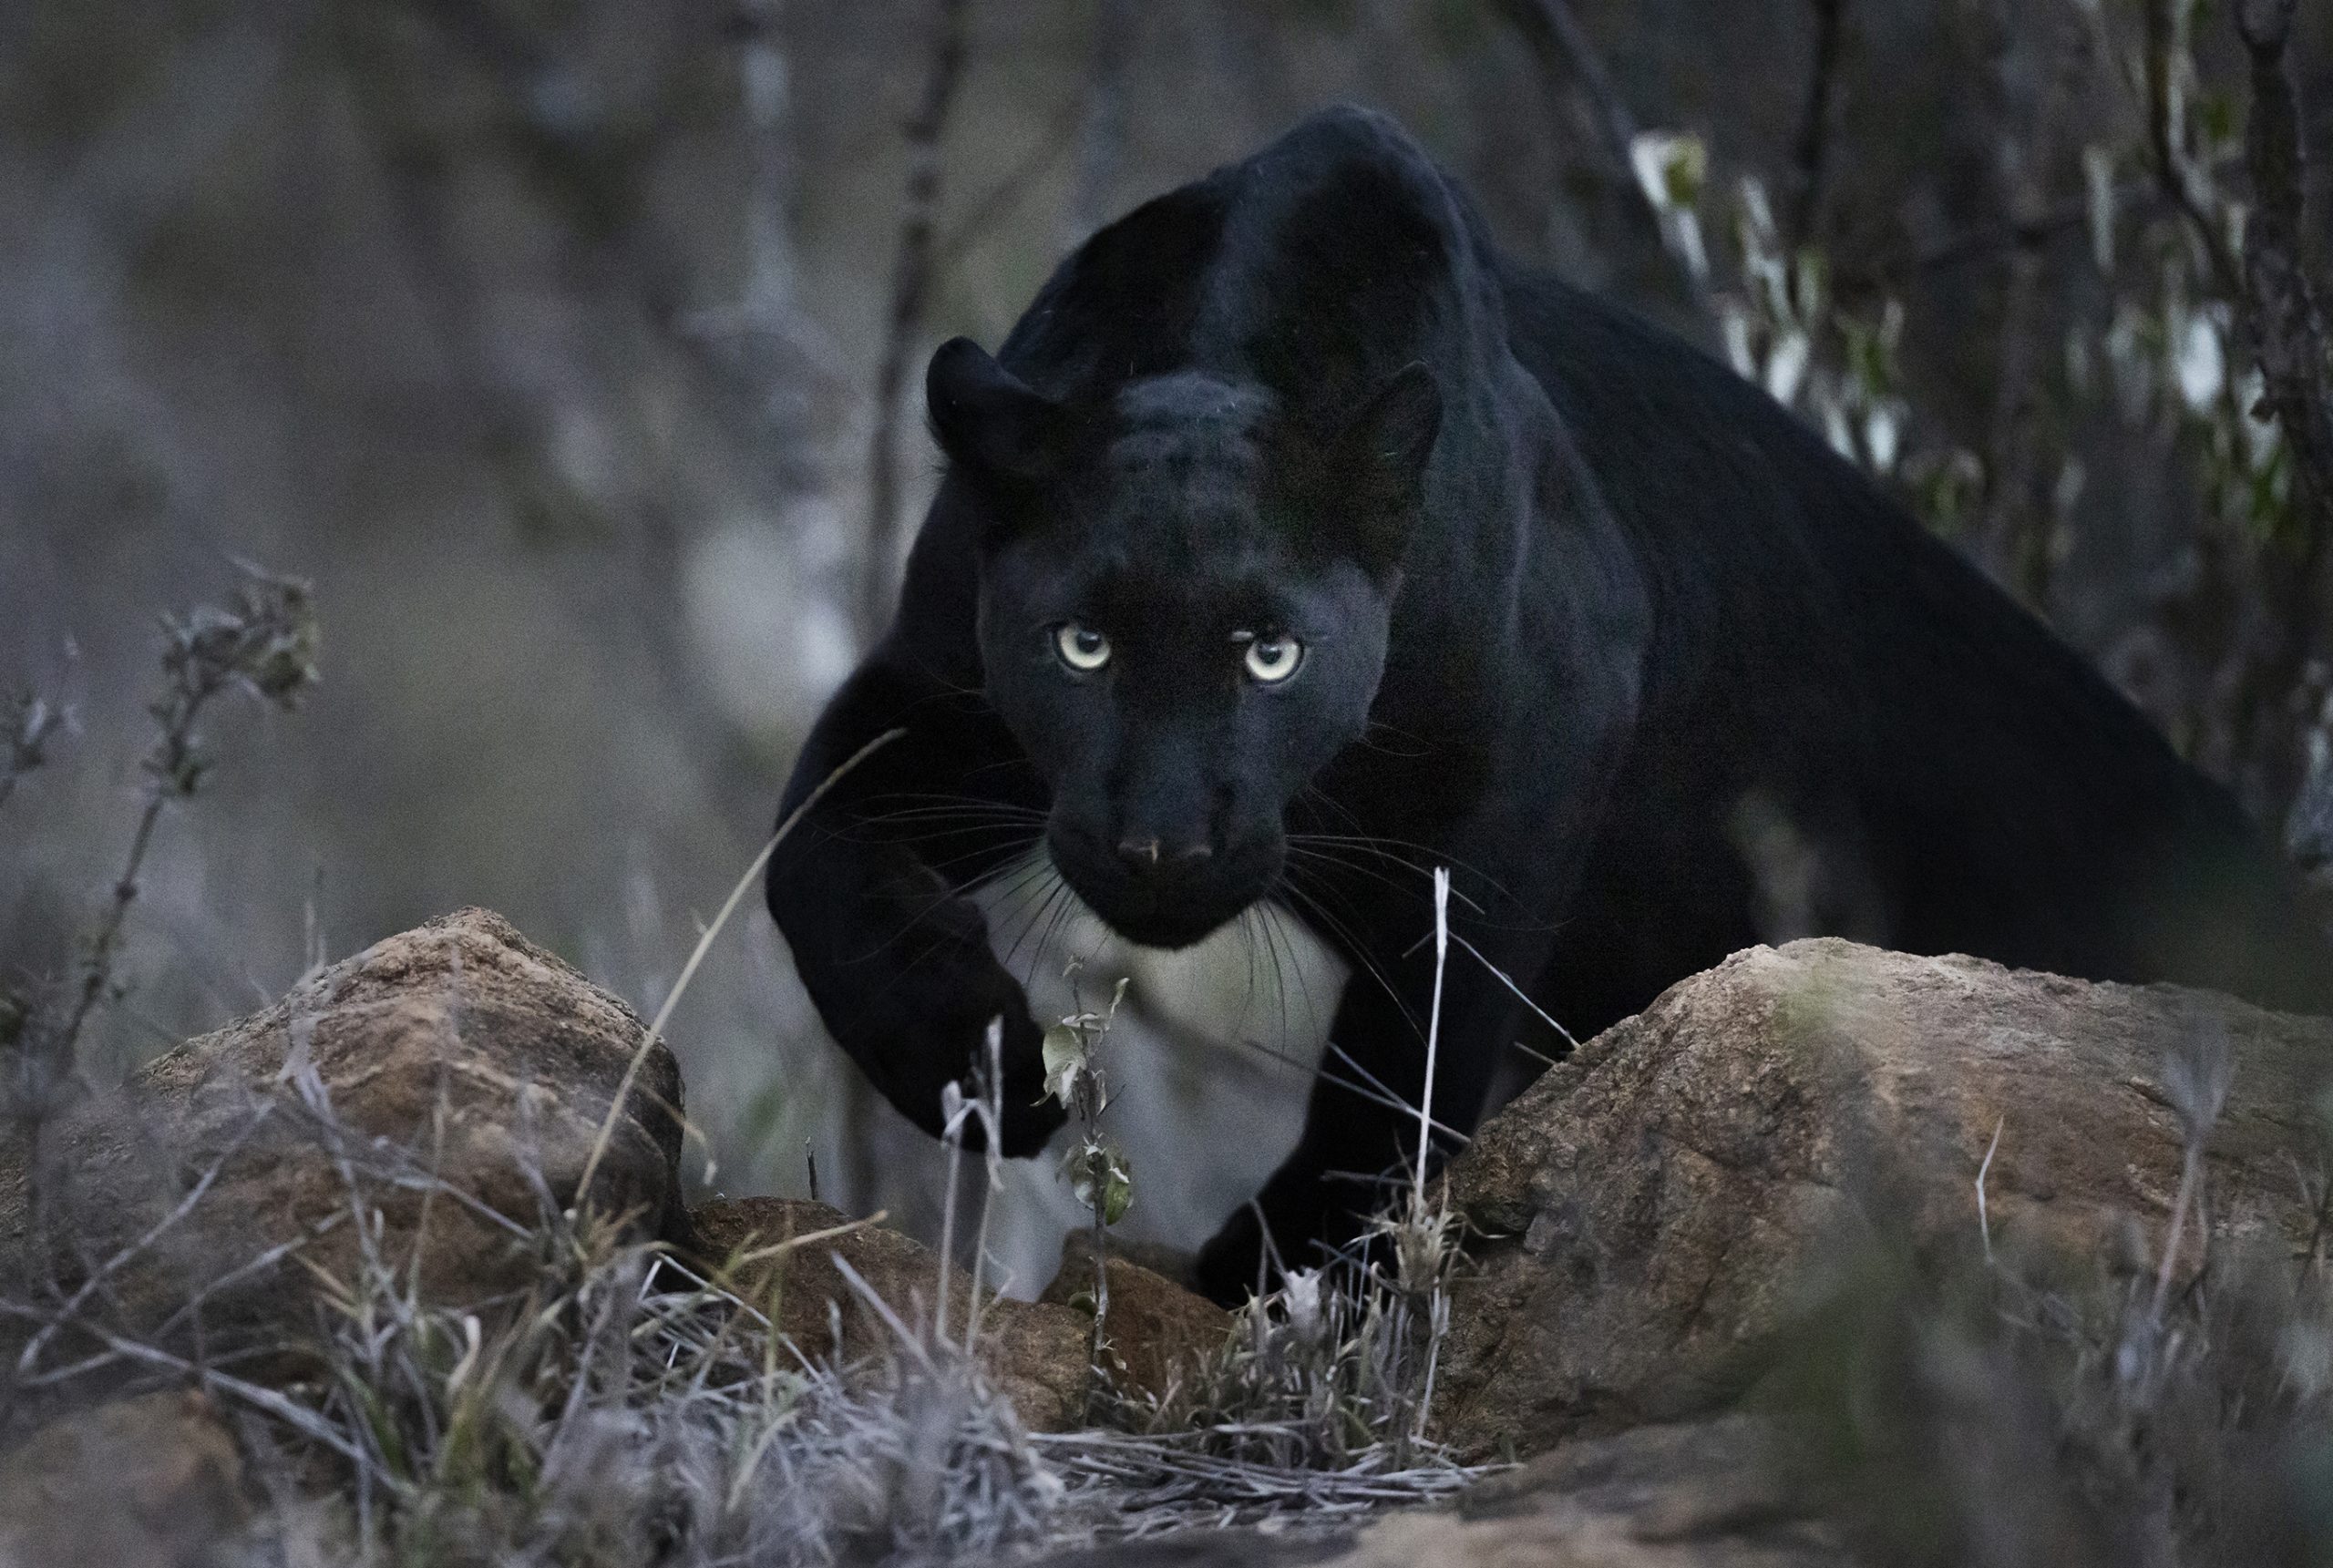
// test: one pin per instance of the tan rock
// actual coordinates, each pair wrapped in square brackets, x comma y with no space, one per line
[1036,1351]
[458,1049]
[150,1482]
[1658,1205]
[1158,1330]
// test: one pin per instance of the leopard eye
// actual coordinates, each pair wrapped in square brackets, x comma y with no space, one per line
[1271,660]
[1081,647]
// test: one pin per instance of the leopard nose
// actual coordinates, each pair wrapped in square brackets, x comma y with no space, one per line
[1146,857]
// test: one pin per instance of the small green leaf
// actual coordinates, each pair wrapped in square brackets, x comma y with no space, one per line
[1064,1053]
[1117,1192]
[1671,169]
[1094,1167]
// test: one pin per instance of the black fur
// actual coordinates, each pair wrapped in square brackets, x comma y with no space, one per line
[1584,617]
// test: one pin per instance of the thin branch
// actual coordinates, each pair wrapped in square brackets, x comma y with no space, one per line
[1554,31]
[2012,537]
[1524,997]
[1892,270]
[2283,327]
[2284,322]
[765,79]
[2287,320]
[1616,125]
[760,1254]
[263,641]
[911,273]
[2166,114]
[96,968]
[27,722]
[298,1416]
[2190,1171]
[1813,149]
[1102,136]
[655,1030]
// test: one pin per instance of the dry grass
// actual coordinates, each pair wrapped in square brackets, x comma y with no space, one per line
[624,1411]
[621,1410]
[2175,1407]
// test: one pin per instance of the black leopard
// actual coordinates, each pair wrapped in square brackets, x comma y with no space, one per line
[1298,542]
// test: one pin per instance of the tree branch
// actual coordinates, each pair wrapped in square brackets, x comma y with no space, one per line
[1982,245]
[2166,139]
[27,722]
[1103,136]
[1553,32]
[911,288]
[264,642]
[1614,124]
[1814,150]
[2288,322]
[2013,537]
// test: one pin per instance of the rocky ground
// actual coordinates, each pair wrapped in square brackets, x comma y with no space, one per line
[1660,1231]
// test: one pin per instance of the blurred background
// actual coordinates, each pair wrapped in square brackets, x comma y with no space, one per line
[572,349]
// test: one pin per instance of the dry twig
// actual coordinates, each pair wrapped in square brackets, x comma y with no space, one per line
[911,273]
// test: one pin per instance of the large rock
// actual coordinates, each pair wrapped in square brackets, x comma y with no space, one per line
[459,1054]
[150,1482]
[1037,1352]
[1655,1208]
[1159,1333]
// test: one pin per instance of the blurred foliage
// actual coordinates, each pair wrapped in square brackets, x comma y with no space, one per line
[2160,1404]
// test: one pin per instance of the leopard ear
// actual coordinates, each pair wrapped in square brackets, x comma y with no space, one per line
[1381,452]
[987,419]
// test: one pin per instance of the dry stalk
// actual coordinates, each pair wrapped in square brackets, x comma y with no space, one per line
[263,641]
[655,1030]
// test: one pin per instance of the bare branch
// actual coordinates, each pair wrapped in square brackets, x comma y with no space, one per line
[1554,31]
[655,1030]
[26,724]
[1102,134]
[1813,149]
[2166,115]
[264,642]
[2287,319]
[1893,269]
[1616,123]
[911,273]
[765,78]
[2013,537]
[2284,324]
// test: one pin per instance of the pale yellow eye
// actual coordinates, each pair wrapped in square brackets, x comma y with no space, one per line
[1273,660]
[1081,648]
